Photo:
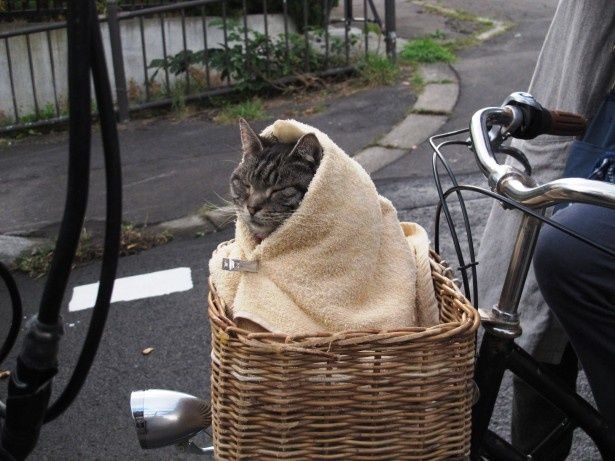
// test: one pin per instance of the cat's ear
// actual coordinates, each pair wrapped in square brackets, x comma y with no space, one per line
[250,142]
[308,148]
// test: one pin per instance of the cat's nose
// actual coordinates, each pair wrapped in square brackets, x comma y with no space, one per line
[253,210]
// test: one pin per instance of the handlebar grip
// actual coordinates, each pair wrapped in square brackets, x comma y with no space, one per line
[566,123]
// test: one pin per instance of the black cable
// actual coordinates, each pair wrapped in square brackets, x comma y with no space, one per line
[113,177]
[437,177]
[30,384]
[529,211]
[443,206]
[463,266]
[16,312]
[78,29]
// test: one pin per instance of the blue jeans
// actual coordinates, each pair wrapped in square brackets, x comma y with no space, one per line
[578,283]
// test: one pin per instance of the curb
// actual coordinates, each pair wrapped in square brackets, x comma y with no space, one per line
[429,113]
[12,246]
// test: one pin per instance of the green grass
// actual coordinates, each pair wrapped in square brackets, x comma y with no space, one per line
[36,262]
[377,70]
[252,109]
[426,50]
[178,97]
[47,112]
[374,28]
[417,82]
[28,118]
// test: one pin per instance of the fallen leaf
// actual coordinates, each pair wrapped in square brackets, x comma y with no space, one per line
[148,350]
[5,374]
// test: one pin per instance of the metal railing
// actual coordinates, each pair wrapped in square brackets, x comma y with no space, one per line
[169,54]
[45,10]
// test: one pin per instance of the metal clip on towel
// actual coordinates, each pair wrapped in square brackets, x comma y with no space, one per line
[237,265]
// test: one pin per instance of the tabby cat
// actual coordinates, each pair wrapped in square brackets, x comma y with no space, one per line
[272,179]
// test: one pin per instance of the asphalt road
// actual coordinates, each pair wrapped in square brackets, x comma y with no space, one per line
[170,167]
[98,425]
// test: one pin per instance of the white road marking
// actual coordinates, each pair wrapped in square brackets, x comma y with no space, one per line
[135,287]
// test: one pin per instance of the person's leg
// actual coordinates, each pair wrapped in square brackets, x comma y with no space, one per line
[578,284]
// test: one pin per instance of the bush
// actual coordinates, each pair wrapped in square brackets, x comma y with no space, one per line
[255,63]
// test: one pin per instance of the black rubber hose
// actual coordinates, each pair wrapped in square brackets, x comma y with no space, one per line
[80,125]
[16,312]
[29,388]
[113,226]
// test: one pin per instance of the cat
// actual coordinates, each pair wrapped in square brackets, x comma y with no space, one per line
[272,179]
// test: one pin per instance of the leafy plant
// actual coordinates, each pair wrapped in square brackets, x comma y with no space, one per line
[47,112]
[254,61]
[426,50]
[28,118]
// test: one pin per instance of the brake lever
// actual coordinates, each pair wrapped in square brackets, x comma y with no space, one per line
[517,155]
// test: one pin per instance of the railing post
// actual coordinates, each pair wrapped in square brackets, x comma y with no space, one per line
[348,15]
[117,56]
[390,29]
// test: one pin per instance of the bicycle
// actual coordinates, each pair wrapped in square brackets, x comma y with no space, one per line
[520,116]
[166,417]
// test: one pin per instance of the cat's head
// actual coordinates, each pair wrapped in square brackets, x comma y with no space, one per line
[272,178]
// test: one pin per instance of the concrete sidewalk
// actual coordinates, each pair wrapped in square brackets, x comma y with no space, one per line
[172,167]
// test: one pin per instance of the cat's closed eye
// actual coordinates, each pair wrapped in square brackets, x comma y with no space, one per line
[285,192]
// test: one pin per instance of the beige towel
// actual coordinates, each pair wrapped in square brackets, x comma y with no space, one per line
[340,262]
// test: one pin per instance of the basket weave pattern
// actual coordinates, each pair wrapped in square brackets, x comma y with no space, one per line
[355,395]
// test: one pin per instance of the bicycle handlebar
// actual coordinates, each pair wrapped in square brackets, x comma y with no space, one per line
[565,123]
[517,185]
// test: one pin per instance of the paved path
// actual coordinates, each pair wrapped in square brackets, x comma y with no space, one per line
[170,168]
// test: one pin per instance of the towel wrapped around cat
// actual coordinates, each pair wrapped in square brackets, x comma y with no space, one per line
[342,261]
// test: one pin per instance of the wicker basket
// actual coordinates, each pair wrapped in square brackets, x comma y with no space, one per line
[358,395]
